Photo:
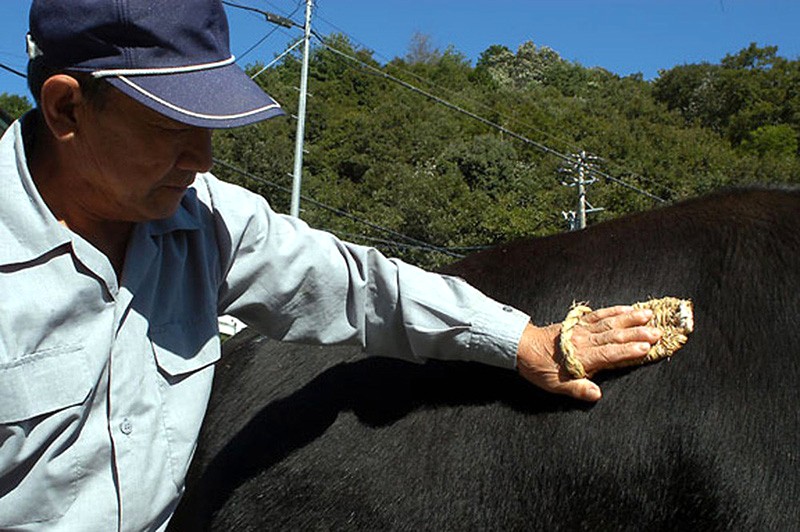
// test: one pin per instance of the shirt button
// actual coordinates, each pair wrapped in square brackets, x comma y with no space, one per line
[508,309]
[126,427]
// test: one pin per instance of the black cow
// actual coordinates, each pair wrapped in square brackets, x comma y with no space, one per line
[310,438]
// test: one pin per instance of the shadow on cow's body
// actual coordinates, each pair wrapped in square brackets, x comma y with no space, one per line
[301,437]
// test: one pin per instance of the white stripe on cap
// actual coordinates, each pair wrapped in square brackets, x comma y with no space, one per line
[164,70]
[187,112]
[32,48]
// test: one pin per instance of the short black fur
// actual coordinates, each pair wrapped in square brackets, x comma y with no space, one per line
[310,438]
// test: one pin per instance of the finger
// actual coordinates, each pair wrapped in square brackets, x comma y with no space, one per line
[624,336]
[607,312]
[614,356]
[616,320]
[581,389]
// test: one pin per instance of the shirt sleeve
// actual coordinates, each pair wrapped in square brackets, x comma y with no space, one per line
[294,283]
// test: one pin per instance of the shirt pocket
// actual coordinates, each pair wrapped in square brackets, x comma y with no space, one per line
[182,349]
[185,354]
[42,412]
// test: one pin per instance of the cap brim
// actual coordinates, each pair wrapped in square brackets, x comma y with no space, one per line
[221,97]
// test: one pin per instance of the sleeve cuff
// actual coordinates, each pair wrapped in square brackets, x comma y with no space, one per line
[496,333]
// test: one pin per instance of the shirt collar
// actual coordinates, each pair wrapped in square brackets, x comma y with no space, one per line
[27,227]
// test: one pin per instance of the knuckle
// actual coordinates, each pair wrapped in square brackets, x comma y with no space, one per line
[619,336]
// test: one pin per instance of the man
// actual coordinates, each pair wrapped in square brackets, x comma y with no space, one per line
[118,250]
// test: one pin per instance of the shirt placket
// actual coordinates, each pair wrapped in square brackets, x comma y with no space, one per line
[135,422]
[141,457]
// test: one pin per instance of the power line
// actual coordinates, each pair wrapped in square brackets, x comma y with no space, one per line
[257,44]
[281,8]
[271,17]
[483,120]
[340,212]
[442,101]
[394,243]
[580,177]
[13,71]
[640,177]
[279,21]
[268,65]
[288,23]
[510,119]
[432,84]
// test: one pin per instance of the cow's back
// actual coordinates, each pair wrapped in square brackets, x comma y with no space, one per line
[322,438]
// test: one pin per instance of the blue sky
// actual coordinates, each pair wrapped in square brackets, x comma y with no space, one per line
[623,36]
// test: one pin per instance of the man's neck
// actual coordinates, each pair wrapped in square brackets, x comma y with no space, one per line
[51,176]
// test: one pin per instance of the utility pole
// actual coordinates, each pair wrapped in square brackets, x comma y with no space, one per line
[301,108]
[580,177]
[301,117]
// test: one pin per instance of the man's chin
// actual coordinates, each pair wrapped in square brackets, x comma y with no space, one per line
[159,212]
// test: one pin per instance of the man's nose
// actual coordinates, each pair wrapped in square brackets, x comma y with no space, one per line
[197,154]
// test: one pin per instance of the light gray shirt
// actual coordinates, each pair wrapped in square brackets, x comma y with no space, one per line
[104,383]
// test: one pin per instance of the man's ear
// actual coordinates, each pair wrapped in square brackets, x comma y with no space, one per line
[60,100]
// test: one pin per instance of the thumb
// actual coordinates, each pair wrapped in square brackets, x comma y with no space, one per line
[581,389]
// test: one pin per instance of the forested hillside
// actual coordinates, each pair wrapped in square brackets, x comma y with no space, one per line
[396,159]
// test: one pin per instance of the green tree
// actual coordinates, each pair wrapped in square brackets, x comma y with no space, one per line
[410,166]
[752,88]
[751,58]
[14,104]
[780,140]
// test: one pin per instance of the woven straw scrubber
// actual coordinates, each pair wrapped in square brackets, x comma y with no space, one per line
[675,318]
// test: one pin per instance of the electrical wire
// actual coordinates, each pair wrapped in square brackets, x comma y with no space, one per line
[284,20]
[257,44]
[267,66]
[339,212]
[394,243]
[510,119]
[297,6]
[13,71]
[271,17]
[542,147]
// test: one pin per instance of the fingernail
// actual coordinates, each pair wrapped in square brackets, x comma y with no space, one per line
[655,333]
[593,393]
[643,347]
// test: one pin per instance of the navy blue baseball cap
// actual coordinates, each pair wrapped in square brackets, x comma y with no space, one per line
[171,55]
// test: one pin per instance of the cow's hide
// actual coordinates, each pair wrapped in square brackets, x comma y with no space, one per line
[319,438]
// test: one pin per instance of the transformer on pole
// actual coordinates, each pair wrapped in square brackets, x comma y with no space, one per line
[580,176]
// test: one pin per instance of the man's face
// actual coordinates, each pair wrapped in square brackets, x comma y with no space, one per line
[133,163]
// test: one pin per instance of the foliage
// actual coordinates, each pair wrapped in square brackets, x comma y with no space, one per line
[388,166]
[422,50]
[402,164]
[780,140]
[744,92]
[14,104]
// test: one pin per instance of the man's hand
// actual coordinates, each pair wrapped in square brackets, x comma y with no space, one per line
[605,338]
